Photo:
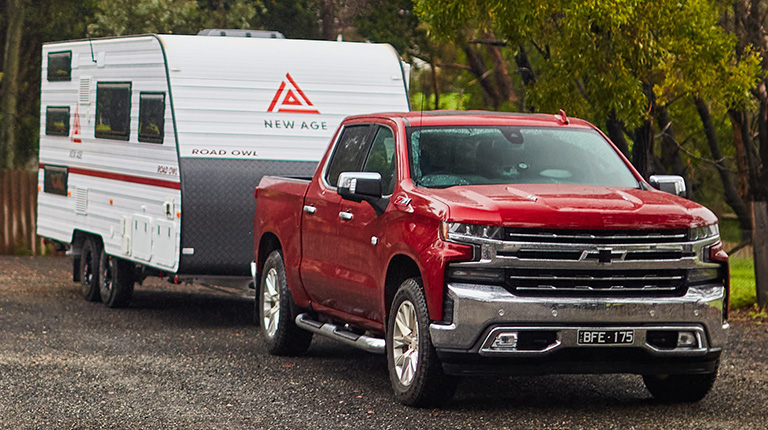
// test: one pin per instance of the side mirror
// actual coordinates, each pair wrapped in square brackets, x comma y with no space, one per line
[362,187]
[672,184]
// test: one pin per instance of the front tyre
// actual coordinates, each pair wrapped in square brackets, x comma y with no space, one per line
[274,304]
[680,388]
[414,370]
[116,279]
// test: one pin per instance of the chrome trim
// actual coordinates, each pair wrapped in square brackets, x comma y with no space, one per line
[476,308]
[567,337]
[366,343]
[310,209]
[346,216]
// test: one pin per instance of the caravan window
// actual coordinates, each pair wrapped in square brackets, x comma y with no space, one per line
[113,110]
[57,121]
[60,66]
[151,117]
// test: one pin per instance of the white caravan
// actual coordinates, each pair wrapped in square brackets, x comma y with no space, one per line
[151,146]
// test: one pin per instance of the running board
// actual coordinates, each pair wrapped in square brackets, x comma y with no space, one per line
[366,343]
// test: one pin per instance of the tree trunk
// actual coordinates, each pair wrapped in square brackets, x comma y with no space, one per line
[732,197]
[328,16]
[10,84]
[500,72]
[435,86]
[746,155]
[477,67]
[616,133]
[670,153]
[749,27]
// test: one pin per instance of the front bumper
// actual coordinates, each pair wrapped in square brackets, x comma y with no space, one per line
[481,312]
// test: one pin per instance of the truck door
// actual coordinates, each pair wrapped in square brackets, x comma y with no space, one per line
[362,250]
[321,250]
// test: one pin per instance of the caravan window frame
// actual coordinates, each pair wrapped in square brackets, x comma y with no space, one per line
[53,74]
[123,114]
[145,113]
[50,116]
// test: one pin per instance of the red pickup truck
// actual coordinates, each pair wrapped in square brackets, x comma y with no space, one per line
[462,243]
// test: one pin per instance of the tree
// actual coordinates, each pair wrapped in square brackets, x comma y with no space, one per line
[626,63]
[10,83]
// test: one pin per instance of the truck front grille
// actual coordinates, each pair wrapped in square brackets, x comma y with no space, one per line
[608,263]
[603,237]
[596,282]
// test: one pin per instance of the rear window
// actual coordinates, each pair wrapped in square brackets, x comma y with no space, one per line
[449,156]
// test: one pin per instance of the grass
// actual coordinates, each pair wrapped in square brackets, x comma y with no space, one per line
[743,293]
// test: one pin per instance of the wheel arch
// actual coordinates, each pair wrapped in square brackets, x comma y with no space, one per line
[269,242]
[401,267]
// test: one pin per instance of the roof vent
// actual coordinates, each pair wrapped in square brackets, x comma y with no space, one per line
[261,34]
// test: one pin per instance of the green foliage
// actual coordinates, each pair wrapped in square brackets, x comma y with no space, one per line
[602,55]
[295,19]
[742,282]
[122,17]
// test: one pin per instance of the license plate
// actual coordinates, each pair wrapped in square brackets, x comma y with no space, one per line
[606,337]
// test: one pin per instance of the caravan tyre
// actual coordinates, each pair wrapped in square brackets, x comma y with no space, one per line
[116,279]
[275,311]
[89,269]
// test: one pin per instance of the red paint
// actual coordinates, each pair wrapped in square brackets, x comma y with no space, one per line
[290,99]
[333,267]
[122,177]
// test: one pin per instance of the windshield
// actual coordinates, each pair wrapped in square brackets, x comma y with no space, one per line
[448,156]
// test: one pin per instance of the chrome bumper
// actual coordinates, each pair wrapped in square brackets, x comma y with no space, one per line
[480,312]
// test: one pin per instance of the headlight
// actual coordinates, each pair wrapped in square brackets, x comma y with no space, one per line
[699,233]
[461,232]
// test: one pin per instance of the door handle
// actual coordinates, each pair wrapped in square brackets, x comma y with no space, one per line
[346,216]
[310,209]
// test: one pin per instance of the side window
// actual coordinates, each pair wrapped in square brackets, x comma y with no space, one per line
[381,159]
[57,121]
[349,153]
[113,110]
[55,180]
[60,66]
[151,117]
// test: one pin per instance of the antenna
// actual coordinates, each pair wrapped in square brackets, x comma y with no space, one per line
[91,43]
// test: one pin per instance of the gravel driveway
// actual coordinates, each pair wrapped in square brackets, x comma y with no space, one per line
[188,357]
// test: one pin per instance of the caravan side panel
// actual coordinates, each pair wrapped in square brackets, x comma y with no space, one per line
[98,174]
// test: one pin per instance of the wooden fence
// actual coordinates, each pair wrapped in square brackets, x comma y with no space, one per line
[18,214]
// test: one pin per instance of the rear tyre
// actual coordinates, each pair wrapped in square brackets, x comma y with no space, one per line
[679,388]
[116,279]
[415,371]
[274,311]
[89,269]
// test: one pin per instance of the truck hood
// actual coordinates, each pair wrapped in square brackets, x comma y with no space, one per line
[571,207]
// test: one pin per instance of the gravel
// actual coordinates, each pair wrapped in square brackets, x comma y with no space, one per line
[189,357]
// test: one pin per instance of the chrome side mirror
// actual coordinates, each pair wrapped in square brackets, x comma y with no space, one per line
[362,187]
[672,184]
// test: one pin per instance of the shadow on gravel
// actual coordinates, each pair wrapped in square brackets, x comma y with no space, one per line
[192,309]
[567,392]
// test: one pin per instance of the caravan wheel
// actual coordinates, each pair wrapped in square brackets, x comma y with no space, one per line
[116,279]
[89,269]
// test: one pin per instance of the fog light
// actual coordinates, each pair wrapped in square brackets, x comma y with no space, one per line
[686,339]
[505,341]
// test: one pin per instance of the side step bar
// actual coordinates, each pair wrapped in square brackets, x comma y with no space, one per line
[366,343]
